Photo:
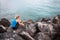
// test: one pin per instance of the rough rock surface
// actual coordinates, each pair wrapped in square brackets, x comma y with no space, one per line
[45,29]
[42,36]
[5,22]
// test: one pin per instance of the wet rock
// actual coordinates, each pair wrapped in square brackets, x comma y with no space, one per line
[10,30]
[37,29]
[55,20]
[31,29]
[58,38]
[1,36]
[0,23]
[58,18]
[9,39]
[5,22]
[57,28]
[17,37]
[2,29]
[26,36]
[44,27]
[44,20]
[30,21]
[42,36]
[56,33]
[10,36]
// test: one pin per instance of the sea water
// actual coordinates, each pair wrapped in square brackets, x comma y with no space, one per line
[29,9]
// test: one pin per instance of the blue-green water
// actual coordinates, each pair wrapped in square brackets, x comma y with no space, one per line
[29,9]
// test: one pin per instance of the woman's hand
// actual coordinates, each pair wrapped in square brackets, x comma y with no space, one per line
[21,24]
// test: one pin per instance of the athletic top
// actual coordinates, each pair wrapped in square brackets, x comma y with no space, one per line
[13,24]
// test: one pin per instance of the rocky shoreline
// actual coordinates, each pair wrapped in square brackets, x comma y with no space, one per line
[42,29]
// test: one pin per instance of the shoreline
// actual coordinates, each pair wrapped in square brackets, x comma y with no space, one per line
[33,19]
[42,28]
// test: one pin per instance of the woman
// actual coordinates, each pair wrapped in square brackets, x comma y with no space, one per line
[16,22]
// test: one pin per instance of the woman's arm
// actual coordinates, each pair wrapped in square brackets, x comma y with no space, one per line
[20,22]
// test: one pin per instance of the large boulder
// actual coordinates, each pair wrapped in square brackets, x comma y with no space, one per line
[56,28]
[56,36]
[56,33]
[31,29]
[47,28]
[5,22]
[10,36]
[2,29]
[45,19]
[26,35]
[10,30]
[55,20]
[0,23]
[44,27]
[42,36]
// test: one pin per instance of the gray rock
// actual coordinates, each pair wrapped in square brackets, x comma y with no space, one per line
[10,36]
[26,36]
[31,29]
[5,22]
[42,36]
[2,29]
[44,27]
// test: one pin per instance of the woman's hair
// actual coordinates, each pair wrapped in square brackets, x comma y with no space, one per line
[17,16]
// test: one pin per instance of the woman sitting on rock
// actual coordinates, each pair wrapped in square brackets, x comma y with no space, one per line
[16,22]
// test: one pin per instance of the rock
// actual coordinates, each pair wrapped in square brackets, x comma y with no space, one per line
[2,29]
[10,36]
[59,18]
[26,36]
[17,37]
[1,36]
[44,20]
[42,36]
[56,28]
[57,31]
[0,23]
[58,38]
[10,30]
[31,29]
[30,21]
[37,29]
[44,27]
[54,20]
[9,39]
[5,22]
